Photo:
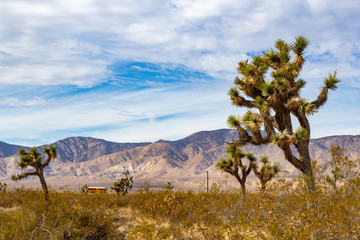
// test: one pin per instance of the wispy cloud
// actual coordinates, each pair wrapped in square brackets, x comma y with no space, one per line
[15,102]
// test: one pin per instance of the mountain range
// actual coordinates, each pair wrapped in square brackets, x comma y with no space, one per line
[82,159]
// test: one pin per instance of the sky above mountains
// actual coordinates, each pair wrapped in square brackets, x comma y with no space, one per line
[132,71]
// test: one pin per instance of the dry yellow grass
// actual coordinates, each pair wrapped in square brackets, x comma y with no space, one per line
[285,211]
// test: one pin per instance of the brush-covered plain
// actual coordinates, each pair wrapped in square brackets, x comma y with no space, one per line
[285,210]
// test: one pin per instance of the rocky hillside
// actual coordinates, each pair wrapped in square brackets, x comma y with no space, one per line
[7,150]
[81,149]
[88,157]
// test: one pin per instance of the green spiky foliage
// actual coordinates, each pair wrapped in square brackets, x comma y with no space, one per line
[267,171]
[235,165]
[340,166]
[33,158]
[270,86]
[3,187]
[123,185]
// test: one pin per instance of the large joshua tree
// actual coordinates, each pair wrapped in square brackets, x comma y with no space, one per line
[235,166]
[276,101]
[33,159]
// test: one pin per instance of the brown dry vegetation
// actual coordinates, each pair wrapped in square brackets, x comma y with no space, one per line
[286,210]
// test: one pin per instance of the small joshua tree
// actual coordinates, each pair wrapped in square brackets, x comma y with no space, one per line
[3,187]
[146,187]
[123,185]
[33,159]
[341,166]
[168,186]
[84,188]
[267,171]
[234,163]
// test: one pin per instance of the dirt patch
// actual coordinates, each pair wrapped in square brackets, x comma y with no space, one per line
[12,209]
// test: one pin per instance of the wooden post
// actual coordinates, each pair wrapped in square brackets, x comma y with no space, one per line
[207,181]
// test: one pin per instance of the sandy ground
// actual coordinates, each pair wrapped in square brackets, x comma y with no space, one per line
[75,183]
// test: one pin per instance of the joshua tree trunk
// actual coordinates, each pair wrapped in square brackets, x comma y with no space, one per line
[263,185]
[307,170]
[310,180]
[242,183]
[243,189]
[43,185]
[303,164]
[334,184]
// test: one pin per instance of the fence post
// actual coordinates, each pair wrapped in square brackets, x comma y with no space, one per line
[207,181]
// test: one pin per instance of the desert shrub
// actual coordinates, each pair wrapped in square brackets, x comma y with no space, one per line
[148,230]
[68,216]
[285,210]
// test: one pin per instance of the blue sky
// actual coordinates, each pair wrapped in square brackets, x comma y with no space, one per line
[132,71]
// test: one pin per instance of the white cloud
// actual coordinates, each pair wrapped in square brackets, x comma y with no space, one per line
[72,43]
[115,112]
[60,73]
[15,102]
[178,32]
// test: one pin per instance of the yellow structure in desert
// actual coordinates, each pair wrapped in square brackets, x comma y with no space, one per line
[96,189]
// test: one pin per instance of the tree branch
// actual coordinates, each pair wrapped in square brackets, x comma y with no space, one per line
[26,174]
[268,126]
[248,170]
[256,172]
[47,161]
[292,159]
[304,123]
[244,137]
[322,98]
[257,138]
[242,102]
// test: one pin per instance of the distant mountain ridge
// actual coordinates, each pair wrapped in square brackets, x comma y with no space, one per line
[83,157]
[81,149]
[7,150]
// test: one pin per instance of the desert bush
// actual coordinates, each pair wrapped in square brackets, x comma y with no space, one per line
[341,167]
[68,216]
